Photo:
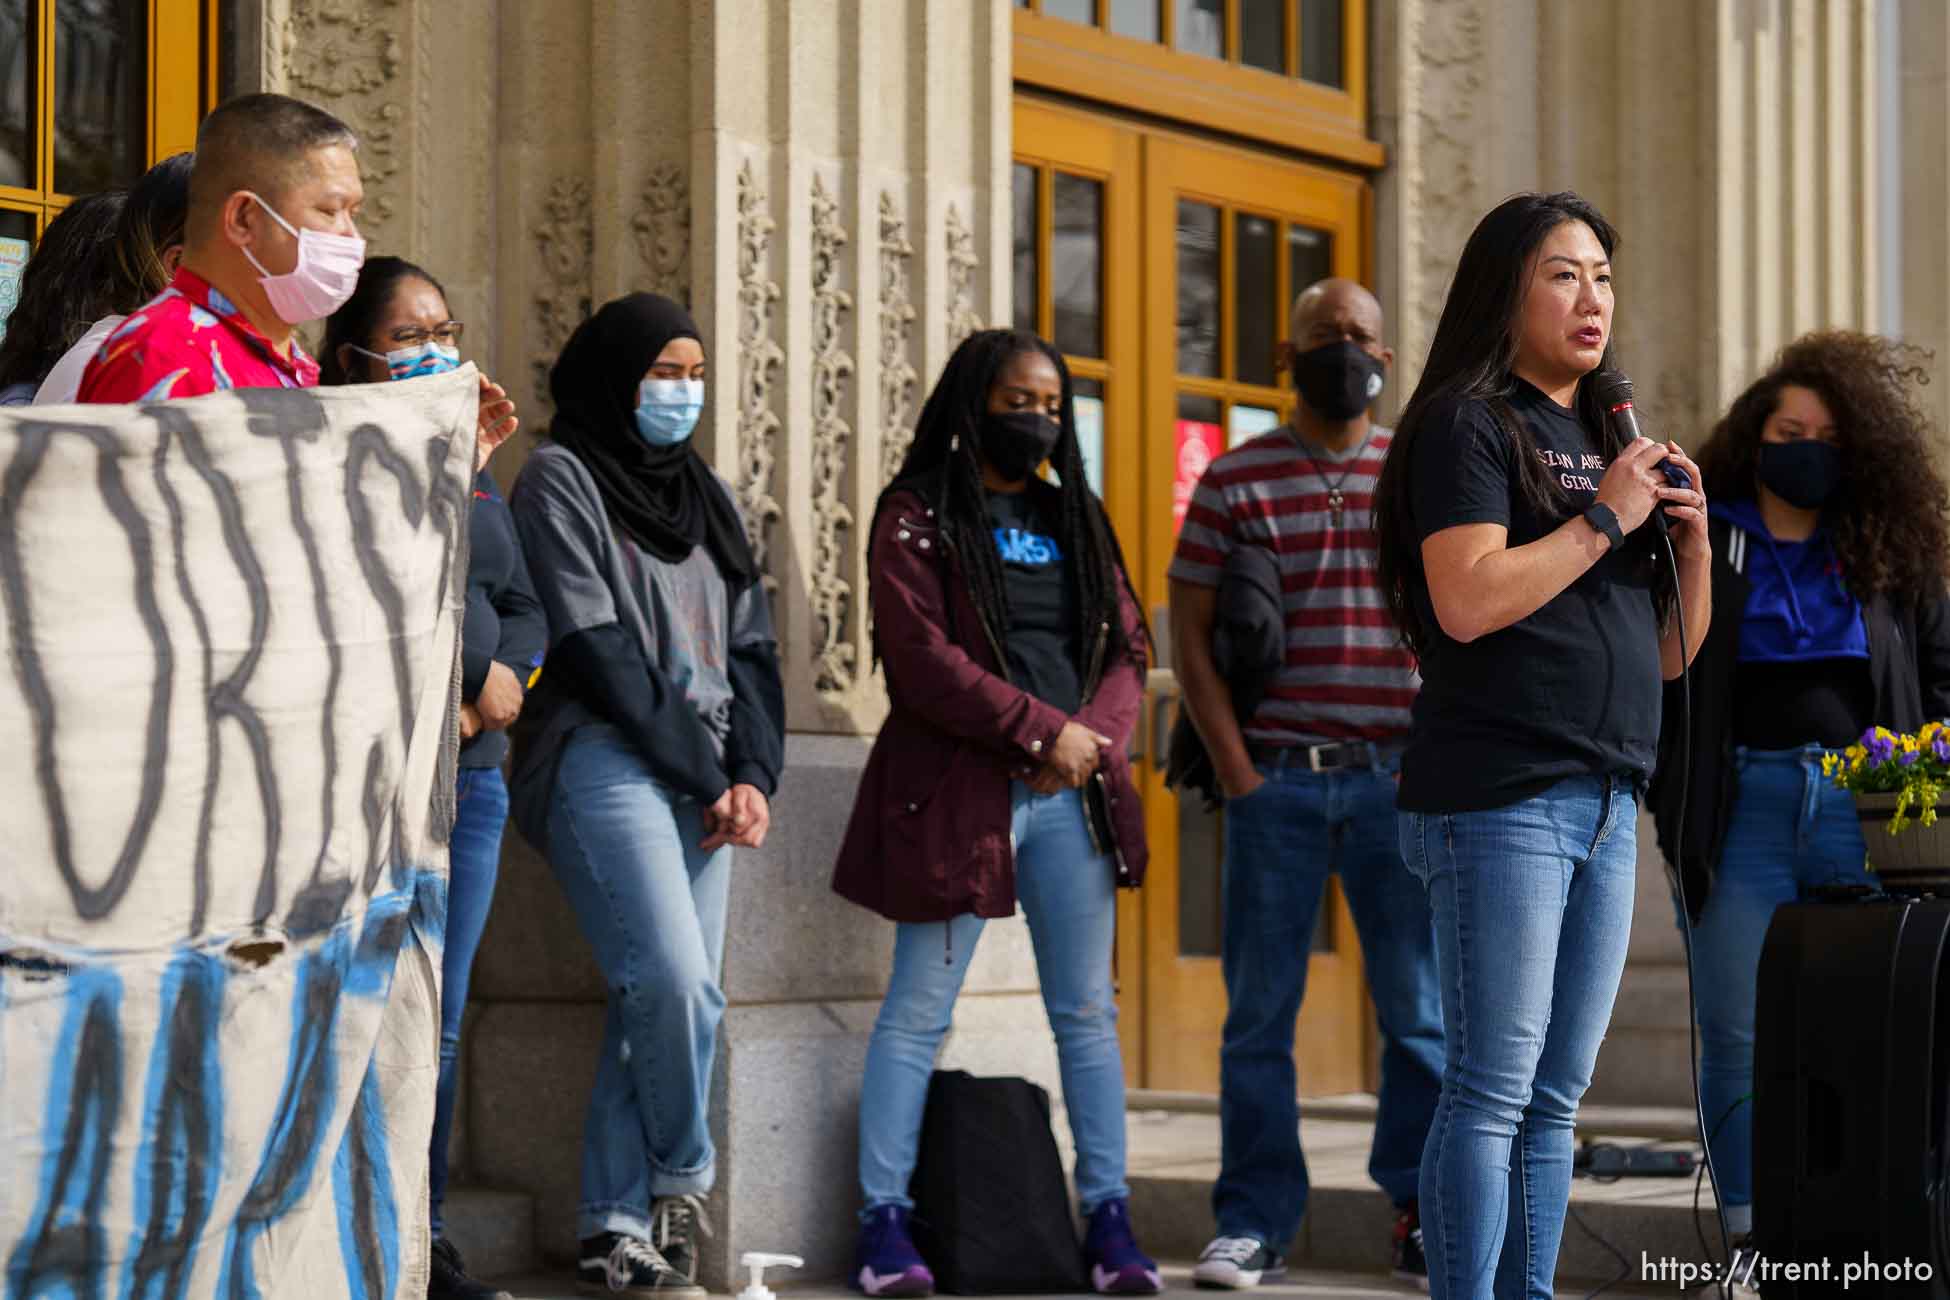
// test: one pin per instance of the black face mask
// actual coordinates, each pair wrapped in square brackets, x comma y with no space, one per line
[1014,443]
[1804,473]
[1338,380]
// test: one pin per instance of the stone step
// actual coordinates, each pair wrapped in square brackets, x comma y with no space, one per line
[494,1230]
[1674,1123]
[1347,1227]
[1299,1284]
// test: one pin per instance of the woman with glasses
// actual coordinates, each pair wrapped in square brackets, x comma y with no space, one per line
[396,325]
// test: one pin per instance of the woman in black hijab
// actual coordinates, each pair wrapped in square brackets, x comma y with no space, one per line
[648,750]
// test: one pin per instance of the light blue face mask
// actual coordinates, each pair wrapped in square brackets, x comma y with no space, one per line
[667,409]
[428,358]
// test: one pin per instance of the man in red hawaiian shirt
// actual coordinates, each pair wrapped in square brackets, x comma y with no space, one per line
[275,185]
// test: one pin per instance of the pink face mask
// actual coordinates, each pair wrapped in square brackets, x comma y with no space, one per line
[325,276]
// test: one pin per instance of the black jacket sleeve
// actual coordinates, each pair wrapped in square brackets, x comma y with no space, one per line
[524,623]
[1933,656]
[476,646]
[609,673]
[754,749]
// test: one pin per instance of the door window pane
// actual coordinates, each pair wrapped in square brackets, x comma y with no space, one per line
[1309,256]
[1077,265]
[1022,233]
[18,114]
[1138,18]
[1198,289]
[16,242]
[101,63]
[1255,291]
[1197,442]
[1262,34]
[1090,430]
[1201,930]
[1072,11]
[1244,422]
[1199,27]
[1321,42]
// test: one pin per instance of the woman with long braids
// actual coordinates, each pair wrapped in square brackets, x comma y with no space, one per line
[1515,558]
[1015,655]
[1829,553]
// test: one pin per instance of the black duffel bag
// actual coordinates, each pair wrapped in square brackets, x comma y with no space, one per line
[992,1211]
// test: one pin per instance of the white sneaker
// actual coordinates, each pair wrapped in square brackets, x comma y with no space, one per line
[1236,1263]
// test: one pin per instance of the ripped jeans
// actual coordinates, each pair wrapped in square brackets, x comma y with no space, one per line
[652,906]
[1067,893]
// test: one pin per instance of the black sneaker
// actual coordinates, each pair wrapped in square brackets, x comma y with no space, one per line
[450,1281]
[1410,1265]
[675,1222]
[613,1263]
[1237,1263]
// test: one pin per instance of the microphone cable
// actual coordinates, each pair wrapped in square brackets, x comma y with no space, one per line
[1725,1285]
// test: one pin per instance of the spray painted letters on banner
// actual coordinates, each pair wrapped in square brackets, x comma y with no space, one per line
[226,784]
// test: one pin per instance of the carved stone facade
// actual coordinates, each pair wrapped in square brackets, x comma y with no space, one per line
[663,232]
[565,243]
[758,368]
[963,319]
[351,54]
[831,593]
[897,375]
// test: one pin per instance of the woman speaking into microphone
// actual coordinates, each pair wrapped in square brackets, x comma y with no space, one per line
[1520,556]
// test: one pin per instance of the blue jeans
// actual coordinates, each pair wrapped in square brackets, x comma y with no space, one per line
[652,906]
[1070,899]
[1533,911]
[1281,843]
[474,860]
[1791,830]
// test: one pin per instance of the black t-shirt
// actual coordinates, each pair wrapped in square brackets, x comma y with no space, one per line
[1789,704]
[1042,639]
[1572,690]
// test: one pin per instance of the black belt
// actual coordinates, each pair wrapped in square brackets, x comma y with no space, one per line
[1328,758]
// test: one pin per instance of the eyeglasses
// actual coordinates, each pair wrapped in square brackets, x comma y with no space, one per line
[413,336]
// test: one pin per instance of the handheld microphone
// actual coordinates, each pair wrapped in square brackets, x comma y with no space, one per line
[1614,392]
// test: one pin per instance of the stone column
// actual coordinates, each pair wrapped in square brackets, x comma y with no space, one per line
[825,183]
[1923,255]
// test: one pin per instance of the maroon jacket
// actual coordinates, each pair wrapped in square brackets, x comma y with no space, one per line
[929,836]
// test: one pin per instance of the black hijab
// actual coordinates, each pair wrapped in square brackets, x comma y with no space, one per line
[666,498]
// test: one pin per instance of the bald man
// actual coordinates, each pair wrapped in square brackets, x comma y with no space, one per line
[1309,779]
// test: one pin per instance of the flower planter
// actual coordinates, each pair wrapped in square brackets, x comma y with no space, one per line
[1915,855]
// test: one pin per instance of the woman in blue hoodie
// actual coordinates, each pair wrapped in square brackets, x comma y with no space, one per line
[1829,544]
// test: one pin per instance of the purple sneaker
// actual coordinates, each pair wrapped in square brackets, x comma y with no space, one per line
[1117,1266]
[886,1263]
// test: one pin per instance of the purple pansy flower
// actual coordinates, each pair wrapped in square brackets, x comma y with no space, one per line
[1909,758]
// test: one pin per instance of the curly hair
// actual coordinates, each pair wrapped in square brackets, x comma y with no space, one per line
[1888,519]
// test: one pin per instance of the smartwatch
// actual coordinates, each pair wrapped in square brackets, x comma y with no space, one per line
[1605,523]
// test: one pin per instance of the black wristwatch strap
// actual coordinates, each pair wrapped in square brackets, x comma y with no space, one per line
[1601,518]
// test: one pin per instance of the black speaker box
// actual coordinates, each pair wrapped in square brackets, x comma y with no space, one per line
[1851,1090]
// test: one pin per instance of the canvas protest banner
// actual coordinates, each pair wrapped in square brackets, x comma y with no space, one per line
[230,640]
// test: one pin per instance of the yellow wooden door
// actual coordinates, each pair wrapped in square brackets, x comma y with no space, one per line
[1077,199]
[95,92]
[1162,268]
[1230,236]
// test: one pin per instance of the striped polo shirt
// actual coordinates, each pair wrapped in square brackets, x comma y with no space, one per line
[1347,675]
